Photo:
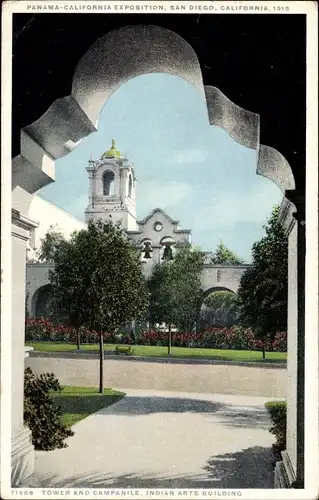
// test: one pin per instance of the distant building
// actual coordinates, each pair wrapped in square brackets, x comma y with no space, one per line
[112,197]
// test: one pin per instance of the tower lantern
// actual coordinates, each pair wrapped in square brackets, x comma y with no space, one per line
[112,184]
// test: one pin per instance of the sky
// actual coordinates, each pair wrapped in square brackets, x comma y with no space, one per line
[194,171]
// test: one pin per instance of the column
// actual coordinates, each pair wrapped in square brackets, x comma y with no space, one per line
[22,451]
[123,184]
[90,169]
[91,176]
[290,472]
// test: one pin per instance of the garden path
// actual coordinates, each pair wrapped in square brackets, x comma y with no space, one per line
[155,439]
[181,376]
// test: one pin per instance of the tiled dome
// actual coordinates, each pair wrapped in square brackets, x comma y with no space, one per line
[112,152]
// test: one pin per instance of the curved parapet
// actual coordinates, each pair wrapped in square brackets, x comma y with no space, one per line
[100,72]
[274,166]
[242,125]
[143,49]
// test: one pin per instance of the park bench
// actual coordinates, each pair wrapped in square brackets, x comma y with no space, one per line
[120,349]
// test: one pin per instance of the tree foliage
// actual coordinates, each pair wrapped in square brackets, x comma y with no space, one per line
[220,309]
[223,255]
[263,289]
[97,280]
[175,290]
[49,244]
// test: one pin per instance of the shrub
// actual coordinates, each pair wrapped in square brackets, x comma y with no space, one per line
[236,337]
[278,414]
[279,343]
[40,414]
[38,329]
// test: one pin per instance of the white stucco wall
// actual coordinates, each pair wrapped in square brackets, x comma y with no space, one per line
[213,276]
[222,276]
[48,214]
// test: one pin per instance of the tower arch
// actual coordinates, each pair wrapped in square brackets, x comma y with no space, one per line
[108,178]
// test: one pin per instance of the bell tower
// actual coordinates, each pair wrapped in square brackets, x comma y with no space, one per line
[112,184]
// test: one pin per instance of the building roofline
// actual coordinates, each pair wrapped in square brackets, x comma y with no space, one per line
[59,208]
[150,215]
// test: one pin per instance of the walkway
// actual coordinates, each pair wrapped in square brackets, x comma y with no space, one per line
[213,378]
[153,439]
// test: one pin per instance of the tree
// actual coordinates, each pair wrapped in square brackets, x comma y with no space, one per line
[225,256]
[175,291]
[98,282]
[263,289]
[220,309]
[52,239]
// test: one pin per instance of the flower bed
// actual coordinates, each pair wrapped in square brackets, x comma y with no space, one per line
[236,337]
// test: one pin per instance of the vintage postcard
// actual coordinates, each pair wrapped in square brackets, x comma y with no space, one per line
[159,299]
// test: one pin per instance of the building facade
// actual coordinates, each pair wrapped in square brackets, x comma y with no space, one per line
[112,197]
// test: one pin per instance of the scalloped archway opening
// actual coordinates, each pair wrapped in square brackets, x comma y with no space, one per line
[144,49]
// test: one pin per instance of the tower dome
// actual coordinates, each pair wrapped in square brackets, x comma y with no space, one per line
[112,152]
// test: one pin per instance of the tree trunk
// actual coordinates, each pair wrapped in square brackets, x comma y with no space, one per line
[78,338]
[169,340]
[101,390]
[264,353]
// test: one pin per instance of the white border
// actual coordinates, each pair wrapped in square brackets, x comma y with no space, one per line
[6,248]
[311,348]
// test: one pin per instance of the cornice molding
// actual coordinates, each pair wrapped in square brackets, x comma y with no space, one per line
[22,221]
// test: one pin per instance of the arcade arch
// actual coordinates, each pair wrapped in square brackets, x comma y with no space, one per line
[222,313]
[40,301]
[214,289]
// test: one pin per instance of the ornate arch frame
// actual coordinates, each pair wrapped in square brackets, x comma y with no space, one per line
[98,75]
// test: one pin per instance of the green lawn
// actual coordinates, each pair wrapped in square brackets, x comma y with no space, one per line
[79,402]
[159,351]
